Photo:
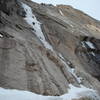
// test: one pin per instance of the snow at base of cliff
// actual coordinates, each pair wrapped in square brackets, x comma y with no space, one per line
[73,93]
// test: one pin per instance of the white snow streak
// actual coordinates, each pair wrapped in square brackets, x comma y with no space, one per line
[79,79]
[71,70]
[61,57]
[83,45]
[36,25]
[1,35]
[93,53]
[90,44]
[61,12]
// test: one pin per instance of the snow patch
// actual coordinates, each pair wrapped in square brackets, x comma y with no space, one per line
[61,57]
[36,25]
[90,44]
[1,36]
[78,92]
[79,79]
[8,94]
[93,53]
[73,93]
[83,45]
[61,12]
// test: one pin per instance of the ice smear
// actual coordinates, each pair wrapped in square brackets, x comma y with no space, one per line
[36,25]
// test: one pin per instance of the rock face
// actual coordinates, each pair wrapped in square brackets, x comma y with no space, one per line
[7,6]
[26,64]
